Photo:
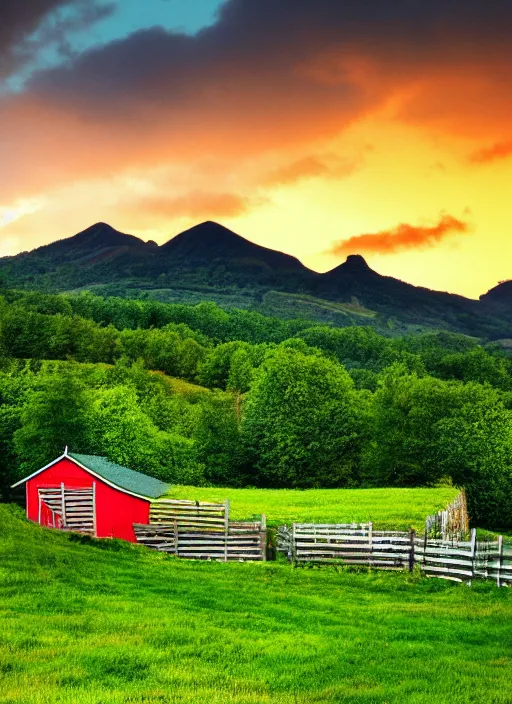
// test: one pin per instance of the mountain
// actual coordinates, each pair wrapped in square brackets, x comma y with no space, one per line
[412,304]
[95,240]
[209,261]
[92,256]
[212,255]
[210,241]
[499,298]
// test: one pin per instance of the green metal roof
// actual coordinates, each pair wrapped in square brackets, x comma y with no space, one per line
[124,478]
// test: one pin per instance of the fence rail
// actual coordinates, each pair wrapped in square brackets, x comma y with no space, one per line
[202,530]
[241,542]
[359,544]
[191,514]
[72,509]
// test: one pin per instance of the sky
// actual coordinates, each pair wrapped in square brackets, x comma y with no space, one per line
[321,129]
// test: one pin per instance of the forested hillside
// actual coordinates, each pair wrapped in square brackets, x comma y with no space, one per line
[204,396]
[211,262]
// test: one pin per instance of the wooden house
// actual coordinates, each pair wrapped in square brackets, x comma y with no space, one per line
[90,494]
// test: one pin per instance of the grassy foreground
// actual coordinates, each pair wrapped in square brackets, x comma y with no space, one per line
[110,623]
[389,509]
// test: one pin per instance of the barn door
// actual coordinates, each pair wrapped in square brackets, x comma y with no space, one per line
[68,509]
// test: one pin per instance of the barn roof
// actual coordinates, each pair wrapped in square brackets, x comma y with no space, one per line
[127,480]
[124,478]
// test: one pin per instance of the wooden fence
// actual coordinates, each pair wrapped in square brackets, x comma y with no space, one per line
[450,523]
[203,531]
[359,544]
[348,543]
[70,509]
[191,514]
[242,543]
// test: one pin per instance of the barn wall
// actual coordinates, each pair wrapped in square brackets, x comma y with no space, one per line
[116,512]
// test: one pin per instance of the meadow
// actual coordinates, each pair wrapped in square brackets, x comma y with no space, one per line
[389,508]
[102,622]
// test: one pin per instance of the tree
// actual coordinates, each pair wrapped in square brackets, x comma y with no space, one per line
[352,346]
[402,417]
[217,435]
[477,365]
[121,431]
[10,422]
[474,447]
[301,421]
[55,413]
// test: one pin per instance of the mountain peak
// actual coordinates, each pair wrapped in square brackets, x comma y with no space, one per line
[356,262]
[211,242]
[101,234]
[206,233]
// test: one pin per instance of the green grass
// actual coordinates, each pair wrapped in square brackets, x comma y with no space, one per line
[389,509]
[183,388]
[310,306]
[102,622]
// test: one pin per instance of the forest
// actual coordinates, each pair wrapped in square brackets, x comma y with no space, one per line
[194,394]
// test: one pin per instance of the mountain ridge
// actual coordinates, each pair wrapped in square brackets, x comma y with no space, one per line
[210,258]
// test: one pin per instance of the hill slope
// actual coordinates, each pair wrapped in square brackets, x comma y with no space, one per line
[99,622]
[209,260]
[499,298]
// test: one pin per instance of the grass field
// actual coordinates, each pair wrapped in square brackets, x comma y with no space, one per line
[389,509]
[110,623]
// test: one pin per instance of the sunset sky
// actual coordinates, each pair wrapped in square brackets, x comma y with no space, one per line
[318,127]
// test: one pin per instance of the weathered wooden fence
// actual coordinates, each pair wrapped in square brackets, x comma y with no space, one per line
[450,523]
[191,514]
[70,509]
[200,530]
[359,544]
[348,543]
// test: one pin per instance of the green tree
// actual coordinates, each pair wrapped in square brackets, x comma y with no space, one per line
[402,417]
[55,414]
[217,436]
[121,431]
[474,447]
[301,421]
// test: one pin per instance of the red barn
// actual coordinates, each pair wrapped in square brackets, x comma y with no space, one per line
[90,494]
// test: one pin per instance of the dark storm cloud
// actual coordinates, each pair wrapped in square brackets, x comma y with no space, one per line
[269,75]
[21,18]
[287,58]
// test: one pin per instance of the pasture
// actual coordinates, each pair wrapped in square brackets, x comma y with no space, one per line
[389,509]
[104,622]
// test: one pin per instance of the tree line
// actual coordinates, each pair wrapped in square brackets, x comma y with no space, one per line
[199,395]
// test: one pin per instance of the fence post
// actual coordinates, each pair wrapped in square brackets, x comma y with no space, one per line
[226,530]
[473,553]
[176,538]
[500,560]
[263,537]
[412,534]
[63,502]
[370,542]
[294,550]
[289,541]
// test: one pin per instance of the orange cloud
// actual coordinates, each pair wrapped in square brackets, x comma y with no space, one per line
[499,150]
[402,237]
[196,204]
[327,166]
